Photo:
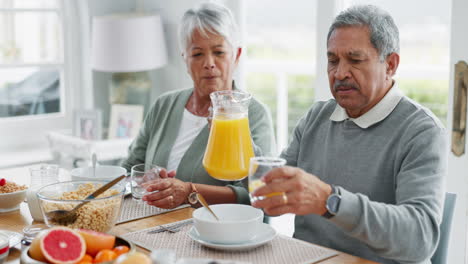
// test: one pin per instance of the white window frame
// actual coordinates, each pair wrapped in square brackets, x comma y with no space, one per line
[24,138]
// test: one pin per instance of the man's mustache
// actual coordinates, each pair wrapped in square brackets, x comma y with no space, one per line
[339,83]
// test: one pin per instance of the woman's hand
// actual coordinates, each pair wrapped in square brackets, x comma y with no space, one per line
[171,193]
[164,174]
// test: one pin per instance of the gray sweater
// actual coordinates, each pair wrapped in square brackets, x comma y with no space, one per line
[390,175]
[160,129]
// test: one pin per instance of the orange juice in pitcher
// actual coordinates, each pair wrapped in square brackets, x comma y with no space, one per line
[229,147]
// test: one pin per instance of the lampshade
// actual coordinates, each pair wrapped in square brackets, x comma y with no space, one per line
[128,43]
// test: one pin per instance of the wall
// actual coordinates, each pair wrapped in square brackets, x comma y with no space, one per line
[457,172]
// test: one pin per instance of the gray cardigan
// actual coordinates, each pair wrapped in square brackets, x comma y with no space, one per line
[160,129]
[391,178]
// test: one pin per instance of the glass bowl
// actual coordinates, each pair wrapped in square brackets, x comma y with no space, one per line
[100,214]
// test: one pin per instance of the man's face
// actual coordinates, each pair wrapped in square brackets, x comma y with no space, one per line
[358,79]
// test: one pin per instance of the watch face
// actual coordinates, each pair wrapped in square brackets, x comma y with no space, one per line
[192,198]
[333,203]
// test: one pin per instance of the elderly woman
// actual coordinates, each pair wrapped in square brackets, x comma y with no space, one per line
[175,131]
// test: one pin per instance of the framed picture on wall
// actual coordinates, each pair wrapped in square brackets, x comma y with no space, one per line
[87,124]
[125,121]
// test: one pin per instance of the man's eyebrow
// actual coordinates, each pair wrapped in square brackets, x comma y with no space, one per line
[356,53]
[330,54]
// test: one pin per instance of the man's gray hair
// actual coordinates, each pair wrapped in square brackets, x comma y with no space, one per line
[383,32]
[208,17]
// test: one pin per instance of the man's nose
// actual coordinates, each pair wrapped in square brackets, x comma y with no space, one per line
[209,63]
[342,71]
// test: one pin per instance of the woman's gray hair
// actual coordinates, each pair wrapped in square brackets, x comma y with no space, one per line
[208,17]
[383,32]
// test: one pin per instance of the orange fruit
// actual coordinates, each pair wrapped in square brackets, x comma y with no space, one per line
[86,259]
[132,258]
[105,255]
[35,248]
[96,241]
[121,250]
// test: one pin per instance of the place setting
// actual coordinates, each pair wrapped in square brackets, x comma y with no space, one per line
[239,235]
[243,229]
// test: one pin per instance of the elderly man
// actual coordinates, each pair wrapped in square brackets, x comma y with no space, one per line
[366,169]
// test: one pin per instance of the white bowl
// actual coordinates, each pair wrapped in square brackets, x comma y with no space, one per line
[237,223]
[103,173]
[11,201]
[4,247]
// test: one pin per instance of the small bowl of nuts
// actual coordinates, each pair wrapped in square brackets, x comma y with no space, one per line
[11,195]
[98,214]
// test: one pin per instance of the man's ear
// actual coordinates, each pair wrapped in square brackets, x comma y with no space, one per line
[392,61]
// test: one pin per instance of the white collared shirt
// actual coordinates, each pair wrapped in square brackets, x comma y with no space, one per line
[376,114]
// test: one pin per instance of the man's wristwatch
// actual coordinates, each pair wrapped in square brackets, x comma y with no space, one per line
[192,197]
[333,203]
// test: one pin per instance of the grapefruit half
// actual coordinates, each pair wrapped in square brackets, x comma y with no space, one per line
[96,241]
[62,245]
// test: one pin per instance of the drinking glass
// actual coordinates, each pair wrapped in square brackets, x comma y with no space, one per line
[141,176]
[259,166]
[41,175]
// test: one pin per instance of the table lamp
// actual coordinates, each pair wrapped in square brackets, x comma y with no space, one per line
[128,45]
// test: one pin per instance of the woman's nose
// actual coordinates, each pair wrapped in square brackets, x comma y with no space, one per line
[209,63]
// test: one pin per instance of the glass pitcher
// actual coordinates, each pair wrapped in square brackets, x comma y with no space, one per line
[229,149]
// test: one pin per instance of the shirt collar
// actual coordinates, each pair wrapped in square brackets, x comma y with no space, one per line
[376,114]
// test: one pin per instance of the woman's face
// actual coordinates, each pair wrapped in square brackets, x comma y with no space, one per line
[211,62]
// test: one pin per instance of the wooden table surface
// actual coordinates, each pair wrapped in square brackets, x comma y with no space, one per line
[17,220]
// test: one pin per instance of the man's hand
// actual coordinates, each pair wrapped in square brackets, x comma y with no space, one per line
[305,193]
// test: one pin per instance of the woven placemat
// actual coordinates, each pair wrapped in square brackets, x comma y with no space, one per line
[281,249]
[132,210]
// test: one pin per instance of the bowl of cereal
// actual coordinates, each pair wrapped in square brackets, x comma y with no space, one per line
[11,195]
[98,214]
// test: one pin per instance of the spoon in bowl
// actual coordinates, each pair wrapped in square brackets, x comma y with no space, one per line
[66,217]
[202,200]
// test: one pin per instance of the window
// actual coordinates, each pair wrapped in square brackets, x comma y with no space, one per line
[423,74]
[31,57]
[280,60]
[43,74]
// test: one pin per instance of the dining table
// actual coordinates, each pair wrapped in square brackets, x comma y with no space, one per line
[17,220]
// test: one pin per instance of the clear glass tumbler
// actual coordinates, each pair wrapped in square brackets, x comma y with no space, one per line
[41,175]
[141,176]
[259,166]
